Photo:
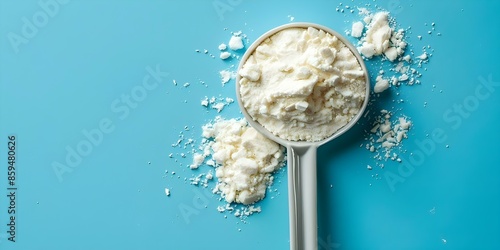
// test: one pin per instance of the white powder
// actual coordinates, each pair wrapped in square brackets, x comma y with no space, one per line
[222,46]
[357,29]
[423,56]
[244,160]
[380,84]
[226,75]
[236,43]
[216,103]
[204,102]
[240,212]
[302,84]
[224,55]
[386,134]
[381,39]
[167,192]
[197,160]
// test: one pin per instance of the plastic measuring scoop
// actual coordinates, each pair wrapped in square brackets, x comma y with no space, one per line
[302,182]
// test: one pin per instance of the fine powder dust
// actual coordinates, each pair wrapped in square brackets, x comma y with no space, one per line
[302,84]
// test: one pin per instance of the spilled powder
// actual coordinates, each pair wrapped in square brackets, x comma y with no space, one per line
[242,158]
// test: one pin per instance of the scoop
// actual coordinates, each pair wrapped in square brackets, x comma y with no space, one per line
[302,182]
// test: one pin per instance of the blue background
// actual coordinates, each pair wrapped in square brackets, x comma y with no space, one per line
[88,54]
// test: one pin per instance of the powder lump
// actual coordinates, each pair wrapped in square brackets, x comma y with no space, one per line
[236,43]
[380,38]
[244,160]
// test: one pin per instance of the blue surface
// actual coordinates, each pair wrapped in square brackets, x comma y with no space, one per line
[75,72]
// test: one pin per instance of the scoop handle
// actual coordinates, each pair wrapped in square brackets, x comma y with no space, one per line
[302,197]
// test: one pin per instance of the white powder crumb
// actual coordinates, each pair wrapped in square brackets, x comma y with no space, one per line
[174,82]
[204,102]
[369,167]
[186,84]
[381,84]
[383,38]
[423,57]
[219,106]
[209,176]
[357,29]
[386,135]
[380,38]
[378,33]
[224,55]
[222,46]
[444,241]
[196,179]
[217,103]
[197,160]
[226,76]
[251,210]
[167,192]
[291,18]
[211,163]
[404,124]
[403,77]
[236,43]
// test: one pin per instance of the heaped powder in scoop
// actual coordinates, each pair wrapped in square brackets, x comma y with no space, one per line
[302,84]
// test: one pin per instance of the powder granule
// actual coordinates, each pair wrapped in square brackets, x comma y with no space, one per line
[224,55]
[244,160]
[357,29]
[236,43]
[380,84]
[226,76]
